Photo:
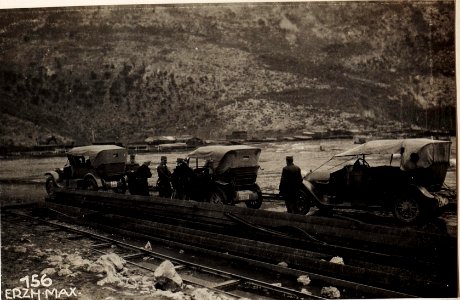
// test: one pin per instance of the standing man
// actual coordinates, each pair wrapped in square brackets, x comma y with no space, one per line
[164,179]
[181,179]
[291,179]
[132,165]
[142,185]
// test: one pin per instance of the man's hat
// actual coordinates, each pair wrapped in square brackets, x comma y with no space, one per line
[179,159]
[290,158]
[164,158]
[147,163]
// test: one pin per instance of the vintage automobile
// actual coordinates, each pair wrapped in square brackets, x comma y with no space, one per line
[406,177]
[225,175]
[92,167]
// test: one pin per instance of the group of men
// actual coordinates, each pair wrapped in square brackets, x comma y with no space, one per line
[291,180]
[138,177]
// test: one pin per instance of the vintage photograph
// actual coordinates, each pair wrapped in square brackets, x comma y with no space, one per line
[288,150]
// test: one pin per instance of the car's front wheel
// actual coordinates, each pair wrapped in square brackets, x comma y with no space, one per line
[218,197]
[121,186]
[50,185]
[302,205]
[255,204]
[91,184]
[408,210]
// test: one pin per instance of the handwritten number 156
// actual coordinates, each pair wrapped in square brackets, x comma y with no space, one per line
[34,282]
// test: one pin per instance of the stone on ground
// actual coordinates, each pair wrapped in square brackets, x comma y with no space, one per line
[167,278]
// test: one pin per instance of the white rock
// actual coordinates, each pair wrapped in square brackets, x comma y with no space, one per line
[283,264]
[64,272]
[95,268]
[76,261]
[304,279]
[330,292]
[148,246]
[109,264]
[159,294]
[206,294]
[55,260]
[110,278]
[117,261]
[305,291]
[166,277]
[48,271]
[337,260]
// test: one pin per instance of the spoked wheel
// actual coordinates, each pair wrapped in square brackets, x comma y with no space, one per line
[91,184]
[302,205]
[255,204]
[50,185]
[121,186]
[407,210]
[218,197]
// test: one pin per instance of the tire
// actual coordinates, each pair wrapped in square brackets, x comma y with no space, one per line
[302,206]
[50,185]
[408,210]
[121,189]
[218,197]
[91,184]
[255,204]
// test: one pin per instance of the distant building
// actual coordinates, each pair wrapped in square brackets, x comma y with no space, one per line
[158,140]
[194,142]
[138,147]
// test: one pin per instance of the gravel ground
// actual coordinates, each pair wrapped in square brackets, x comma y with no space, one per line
[73,270]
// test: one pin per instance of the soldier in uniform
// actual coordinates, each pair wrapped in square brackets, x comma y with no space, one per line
[132,165]
[164,178]
[137,179]
[182,177]
[291,180]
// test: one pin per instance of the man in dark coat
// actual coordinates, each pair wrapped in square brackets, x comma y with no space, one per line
[181,179]
[132,165]
[164,179]
[291,180]
[141,175]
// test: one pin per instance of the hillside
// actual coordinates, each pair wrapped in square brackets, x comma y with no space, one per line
[128,72]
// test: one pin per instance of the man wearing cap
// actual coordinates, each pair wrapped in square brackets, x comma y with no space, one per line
[164,178]
[132,165]
[141,175]
[181,179]
[291,180]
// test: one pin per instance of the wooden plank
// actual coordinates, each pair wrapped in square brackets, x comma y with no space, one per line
[134,255]
[226,285]
[329,229]
[101,245]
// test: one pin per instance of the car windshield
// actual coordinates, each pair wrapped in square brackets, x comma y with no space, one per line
[336,163]
[196,163]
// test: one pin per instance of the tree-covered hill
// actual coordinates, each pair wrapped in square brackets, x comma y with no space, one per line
[127,72]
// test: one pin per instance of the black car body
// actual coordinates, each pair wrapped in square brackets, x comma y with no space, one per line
[406,177]
[91,167]
[232,177]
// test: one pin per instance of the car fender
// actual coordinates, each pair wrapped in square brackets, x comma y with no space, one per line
[433,202]
[310,190]
[53,174]
[421,191]
[221,183]
[96,178]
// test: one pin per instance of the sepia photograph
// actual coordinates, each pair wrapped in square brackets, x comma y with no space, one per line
[221,151]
